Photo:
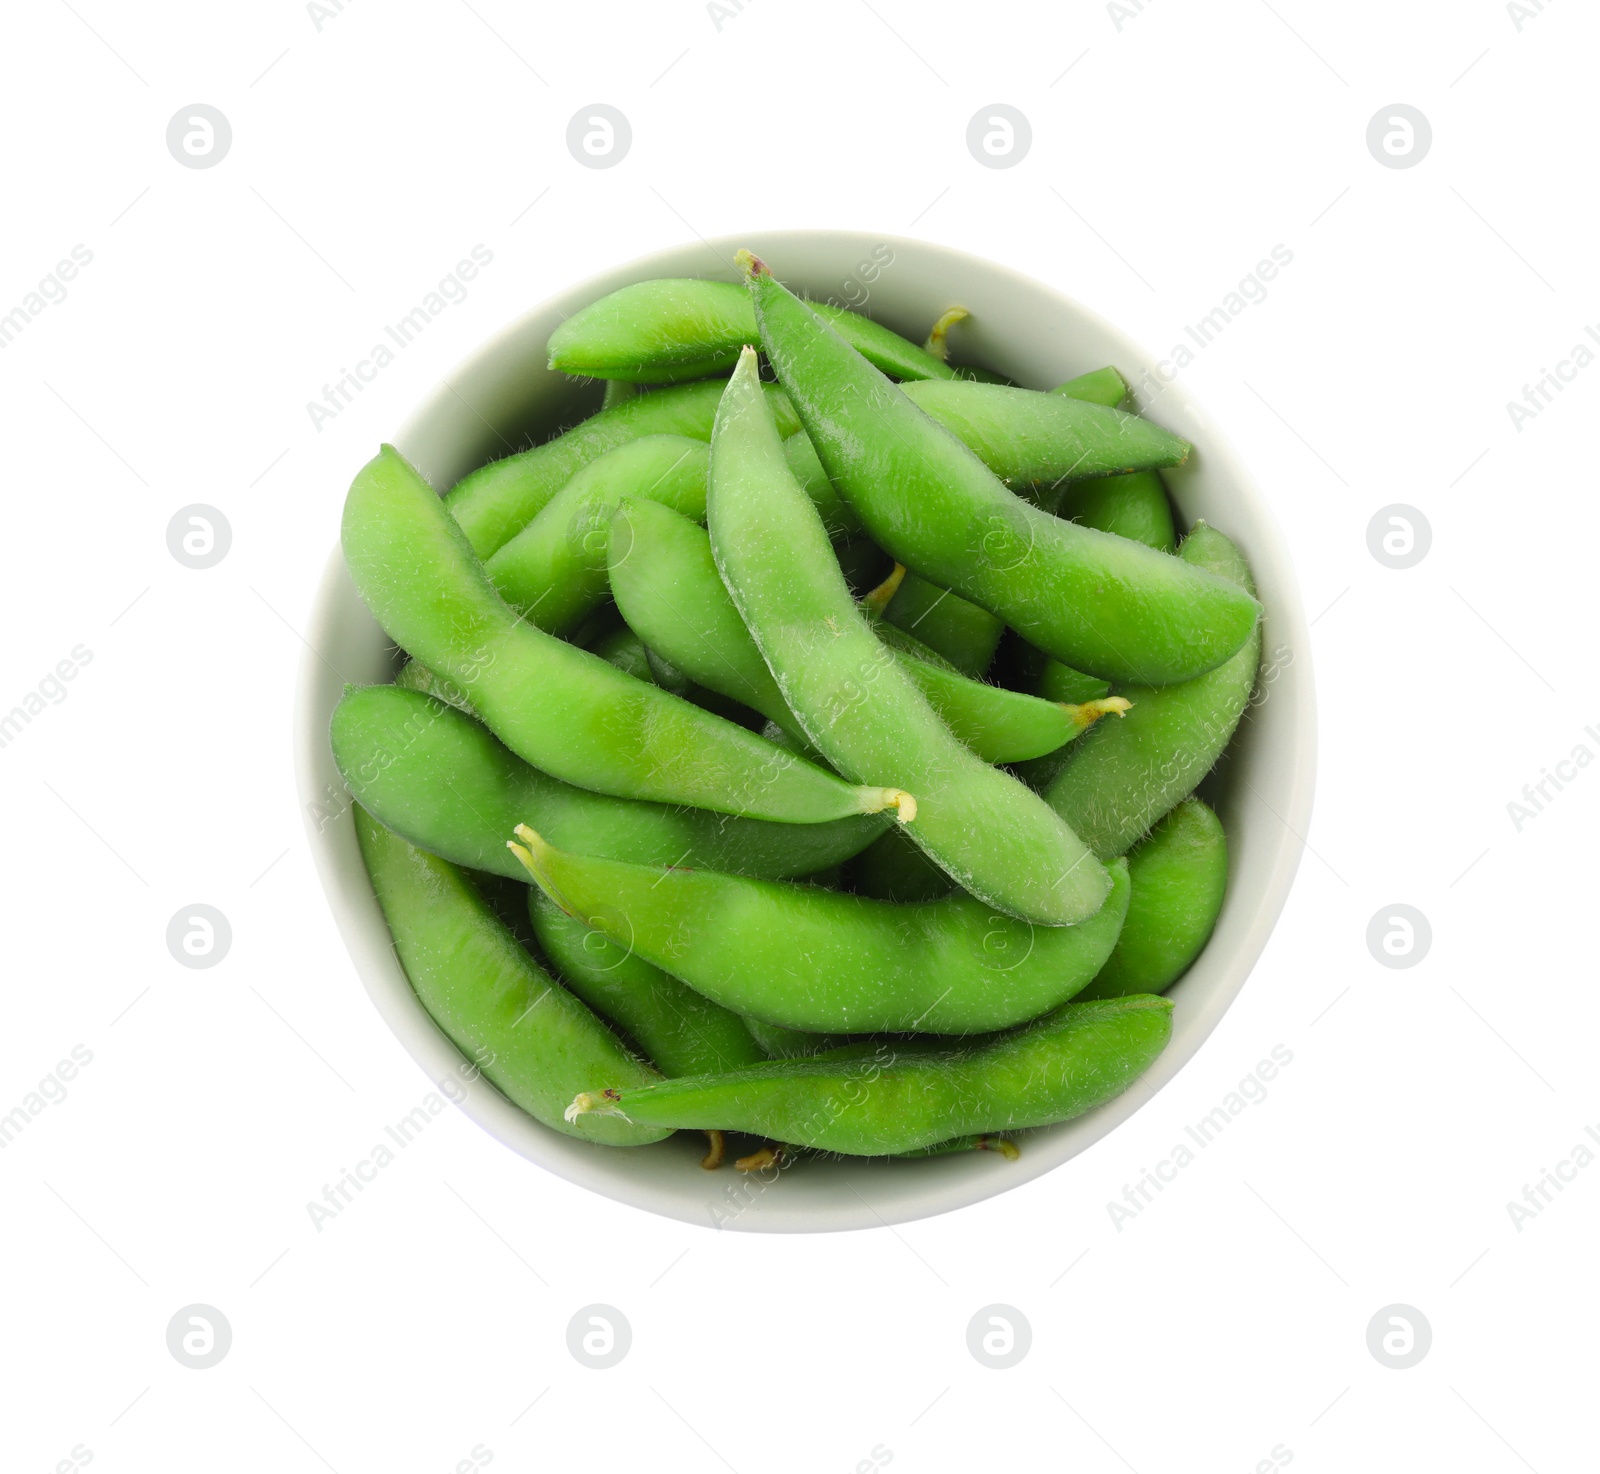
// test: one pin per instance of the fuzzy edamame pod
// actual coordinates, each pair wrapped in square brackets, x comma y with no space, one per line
[853,699]
[959,630]
[1178,872]
[1133,506]
[674,328]
[553,572]
[780,1043]
[1116,783]
[1099,386]
[826,961]
[623,649]
[680,1032]
[891,868]
[898,1100]
[1004,431]
[535,1042]
[1099,603]
[414,676]
[1023,444]
[665,582]
[495,502]
[446,784]
[1030,439]
[560,708]
[841,522]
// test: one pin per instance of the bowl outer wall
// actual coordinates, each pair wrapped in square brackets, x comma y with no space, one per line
[505,393]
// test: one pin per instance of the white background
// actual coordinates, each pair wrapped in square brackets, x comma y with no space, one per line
[1229,1319]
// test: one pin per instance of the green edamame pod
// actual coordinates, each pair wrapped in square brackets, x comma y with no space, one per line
[1099,386]
[1116,783]
[777,1042]
[842,523]
[891,868]
[442,781]
[1076,1058]
[680,1032]
[553,572]
[535,1042]
[1132,506]
[984,1142]
[826,961]
[666,584]
[854,700]
[414,676]
[863,563]
[560,708]
[1027,451]
[1020,443]
[495,502]
[1178,873]
[1003,726]
[1025,437]
[964,634]
[1099,603]
[659,332]
[623,649]
[1058,682]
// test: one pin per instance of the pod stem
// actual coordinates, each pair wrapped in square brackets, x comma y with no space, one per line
[938,335]
[532,854]
[903,804]
[875,601]
[1086,713]
[716,1151]
[1007,1149]
[768,1156]
[594,1103]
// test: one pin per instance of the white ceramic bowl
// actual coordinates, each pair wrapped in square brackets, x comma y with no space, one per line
[1025,330]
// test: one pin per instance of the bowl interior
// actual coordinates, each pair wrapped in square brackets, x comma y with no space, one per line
[505,395]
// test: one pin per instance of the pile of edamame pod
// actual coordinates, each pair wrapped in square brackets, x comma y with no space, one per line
[844,713]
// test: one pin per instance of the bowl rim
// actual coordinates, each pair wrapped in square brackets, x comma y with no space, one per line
[330,828]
